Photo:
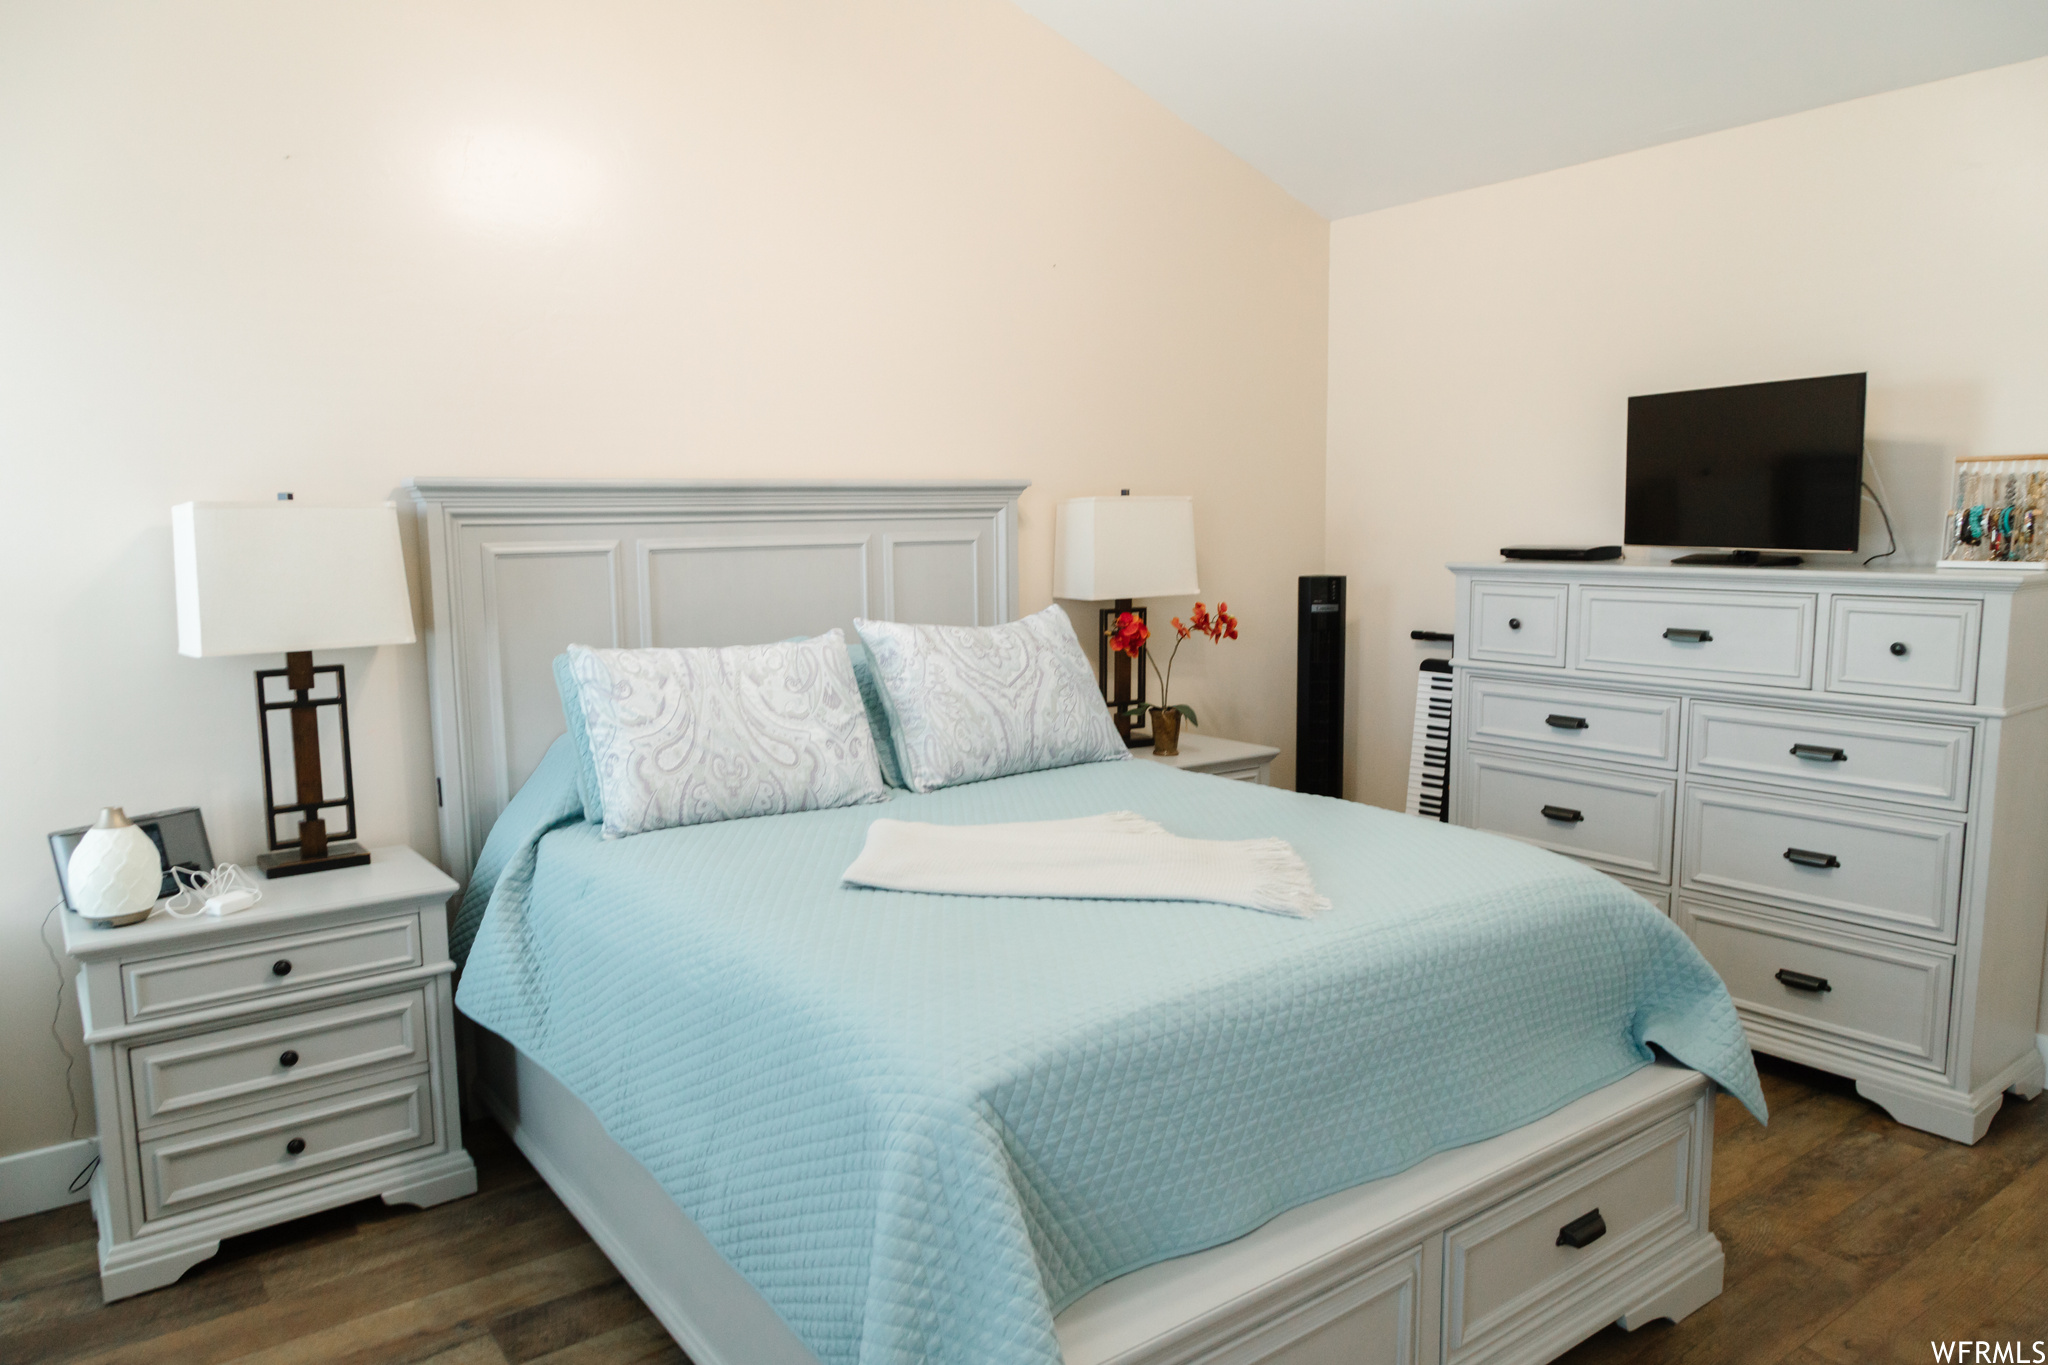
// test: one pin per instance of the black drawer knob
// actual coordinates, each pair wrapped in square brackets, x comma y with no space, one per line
[1806,857]
[288,1058]
[281,967]
[1565,722]
[295,1146]
[1514,623]
[1899,648]
[1563,813]
[1582,1232]
[1801,981]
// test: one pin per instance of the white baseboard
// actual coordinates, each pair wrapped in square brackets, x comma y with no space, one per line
[33,1181]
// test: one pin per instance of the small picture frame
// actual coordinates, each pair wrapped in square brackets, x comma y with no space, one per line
[1998,514]
[179,836]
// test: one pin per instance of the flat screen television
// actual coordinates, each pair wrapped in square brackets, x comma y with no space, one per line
[1751,469]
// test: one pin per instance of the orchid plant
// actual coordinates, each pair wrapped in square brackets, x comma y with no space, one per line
[1128,635]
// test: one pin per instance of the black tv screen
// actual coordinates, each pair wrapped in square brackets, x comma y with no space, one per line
[1753,467]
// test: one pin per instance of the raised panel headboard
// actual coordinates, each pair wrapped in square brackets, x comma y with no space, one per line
[518,569]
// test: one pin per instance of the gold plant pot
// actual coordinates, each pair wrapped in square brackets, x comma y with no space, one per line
[1165,731]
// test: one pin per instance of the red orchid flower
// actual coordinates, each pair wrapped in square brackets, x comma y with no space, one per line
[1129,634]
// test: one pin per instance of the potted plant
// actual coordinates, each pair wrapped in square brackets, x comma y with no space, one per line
[1128,635]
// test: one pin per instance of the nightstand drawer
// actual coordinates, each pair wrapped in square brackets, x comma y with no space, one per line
[277,1056]
[213,1164]
[156,987]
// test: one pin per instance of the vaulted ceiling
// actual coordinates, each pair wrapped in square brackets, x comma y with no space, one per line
[1354,105]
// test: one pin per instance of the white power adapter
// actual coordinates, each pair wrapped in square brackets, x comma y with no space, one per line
[228,902]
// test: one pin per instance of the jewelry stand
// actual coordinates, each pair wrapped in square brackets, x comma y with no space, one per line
[311,851]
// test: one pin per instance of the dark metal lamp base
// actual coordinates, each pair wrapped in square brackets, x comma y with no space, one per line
[288,863]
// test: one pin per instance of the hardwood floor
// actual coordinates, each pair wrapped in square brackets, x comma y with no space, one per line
[1850,1239]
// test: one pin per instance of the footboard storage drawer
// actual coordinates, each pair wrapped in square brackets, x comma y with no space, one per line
[1792,983]
[1904,647]
[1511,1267]
[1752,637]
[213,1164]
[1874,868]
[1893,760]
[1374,1319]
[155,987]
[1592,725]
[1616,821]
[1519,623]
[278,1056]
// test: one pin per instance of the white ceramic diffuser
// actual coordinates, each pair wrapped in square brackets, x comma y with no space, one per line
[114,873]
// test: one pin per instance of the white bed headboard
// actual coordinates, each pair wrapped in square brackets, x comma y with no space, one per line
[517,569]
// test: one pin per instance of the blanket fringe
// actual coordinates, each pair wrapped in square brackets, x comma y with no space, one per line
[1285,886]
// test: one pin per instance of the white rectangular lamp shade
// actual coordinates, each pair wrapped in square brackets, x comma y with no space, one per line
[277,577]
[1108,548]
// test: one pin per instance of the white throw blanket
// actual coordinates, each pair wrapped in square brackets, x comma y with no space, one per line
[1117,856]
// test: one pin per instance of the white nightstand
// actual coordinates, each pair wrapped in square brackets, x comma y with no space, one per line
[267,1065]
[1231,758]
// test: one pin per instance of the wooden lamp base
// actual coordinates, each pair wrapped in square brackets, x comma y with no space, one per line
[290,862]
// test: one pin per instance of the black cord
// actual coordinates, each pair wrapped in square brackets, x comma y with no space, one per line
[1888,533]
[84,1177]
[58,1013]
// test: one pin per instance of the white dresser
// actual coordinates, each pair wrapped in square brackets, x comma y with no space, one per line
[1835,781]
[264,1066]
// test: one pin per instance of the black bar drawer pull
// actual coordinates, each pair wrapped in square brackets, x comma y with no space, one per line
[1565,722]
[1808,858]
[1564,813]
[1582,1232]
[1821,751]
[1800,981]
[1690,637]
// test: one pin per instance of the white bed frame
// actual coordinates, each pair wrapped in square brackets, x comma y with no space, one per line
[1462,1258]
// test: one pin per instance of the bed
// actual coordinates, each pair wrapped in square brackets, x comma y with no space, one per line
[811,1123]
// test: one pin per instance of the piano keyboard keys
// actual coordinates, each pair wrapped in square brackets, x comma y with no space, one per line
[1429,763]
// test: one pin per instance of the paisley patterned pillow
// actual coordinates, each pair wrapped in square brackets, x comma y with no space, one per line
[972,702]
[689,736]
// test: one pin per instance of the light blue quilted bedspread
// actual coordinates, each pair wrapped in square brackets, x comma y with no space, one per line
[921,1125]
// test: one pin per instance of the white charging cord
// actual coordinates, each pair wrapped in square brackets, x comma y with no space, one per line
[222,891]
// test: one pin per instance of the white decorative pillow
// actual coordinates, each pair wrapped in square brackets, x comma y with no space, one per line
[972,702]
[688,736]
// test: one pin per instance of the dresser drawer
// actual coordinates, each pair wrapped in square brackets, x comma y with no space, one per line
[1873,868]
[277,1056]
[1518,623]
[159,986]
[1763,638]
[1510,1263]
[1617,822]
[213,1164]
[1904,647]
[1893,759]
[1884,998]
[1629,726]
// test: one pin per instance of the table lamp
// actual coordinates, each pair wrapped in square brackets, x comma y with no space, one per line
[1117,549]
[283,578]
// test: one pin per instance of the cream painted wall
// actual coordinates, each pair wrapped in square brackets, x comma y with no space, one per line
[1482,345]
[248,247]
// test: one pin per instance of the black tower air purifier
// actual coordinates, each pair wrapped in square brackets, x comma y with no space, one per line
[1319,688]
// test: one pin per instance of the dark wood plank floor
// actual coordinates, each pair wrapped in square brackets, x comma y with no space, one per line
[1850,1239]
